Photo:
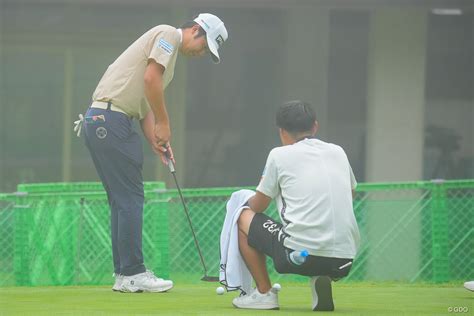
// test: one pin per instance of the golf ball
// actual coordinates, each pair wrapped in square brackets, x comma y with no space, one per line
[277,286]
[220,290]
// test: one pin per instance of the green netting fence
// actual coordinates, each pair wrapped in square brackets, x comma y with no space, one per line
[58,234]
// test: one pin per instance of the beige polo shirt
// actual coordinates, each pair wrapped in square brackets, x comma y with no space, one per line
[123,82]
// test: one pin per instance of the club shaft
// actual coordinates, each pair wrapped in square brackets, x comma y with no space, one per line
[190,223]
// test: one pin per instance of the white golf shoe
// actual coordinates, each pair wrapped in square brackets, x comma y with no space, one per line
[118,282]
[469,285]
[145,282]
[322,293]
[257,300]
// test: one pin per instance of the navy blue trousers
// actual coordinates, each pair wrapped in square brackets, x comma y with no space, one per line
[117,152]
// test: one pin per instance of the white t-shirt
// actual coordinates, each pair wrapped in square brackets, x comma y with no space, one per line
[312,184]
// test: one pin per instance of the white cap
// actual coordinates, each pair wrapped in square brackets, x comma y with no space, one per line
[215,31]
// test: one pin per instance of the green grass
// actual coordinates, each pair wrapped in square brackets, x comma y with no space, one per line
[200,299]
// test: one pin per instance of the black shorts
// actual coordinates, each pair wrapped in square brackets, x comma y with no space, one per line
[265,237]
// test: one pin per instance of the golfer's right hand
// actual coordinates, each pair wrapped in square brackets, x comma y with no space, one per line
[167,154]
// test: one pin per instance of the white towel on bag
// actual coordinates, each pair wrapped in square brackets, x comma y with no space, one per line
[234,274]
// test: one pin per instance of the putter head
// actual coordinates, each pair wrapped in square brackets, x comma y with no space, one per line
[207,278]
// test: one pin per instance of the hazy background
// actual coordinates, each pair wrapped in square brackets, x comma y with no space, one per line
[391,82]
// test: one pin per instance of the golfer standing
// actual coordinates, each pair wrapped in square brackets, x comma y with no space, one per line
[133,88]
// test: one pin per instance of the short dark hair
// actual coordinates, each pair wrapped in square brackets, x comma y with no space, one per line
[295,117]
[190,24]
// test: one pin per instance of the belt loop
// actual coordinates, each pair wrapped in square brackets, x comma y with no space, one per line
[109,105]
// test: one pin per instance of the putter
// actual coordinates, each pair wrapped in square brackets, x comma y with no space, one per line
[206,277]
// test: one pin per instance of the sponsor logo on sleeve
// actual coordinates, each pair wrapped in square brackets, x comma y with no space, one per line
[166,46]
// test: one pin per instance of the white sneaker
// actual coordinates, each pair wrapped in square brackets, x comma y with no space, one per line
[145,282]
[322,293]
[118,282]
[469,285]
[257,300]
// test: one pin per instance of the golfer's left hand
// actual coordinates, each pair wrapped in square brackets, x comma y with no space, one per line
[162,135]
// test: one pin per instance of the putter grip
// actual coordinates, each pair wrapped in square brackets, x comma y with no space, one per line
[170,162]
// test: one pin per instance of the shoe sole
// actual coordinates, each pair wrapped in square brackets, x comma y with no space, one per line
[266,307]
[323,290]
[130,291]
[160,290]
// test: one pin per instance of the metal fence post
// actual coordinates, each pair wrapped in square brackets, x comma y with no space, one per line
[22,228]
[160,220]
[163,241]
[66,245]
[439,232]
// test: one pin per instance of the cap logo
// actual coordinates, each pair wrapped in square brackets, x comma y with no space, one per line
[219,40]
[204,22]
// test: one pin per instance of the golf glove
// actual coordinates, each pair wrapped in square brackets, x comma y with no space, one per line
[78,125]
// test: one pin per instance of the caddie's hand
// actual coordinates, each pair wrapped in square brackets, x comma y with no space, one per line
[168,153]
[162,135]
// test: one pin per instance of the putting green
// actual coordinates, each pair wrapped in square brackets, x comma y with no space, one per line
[201,299]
